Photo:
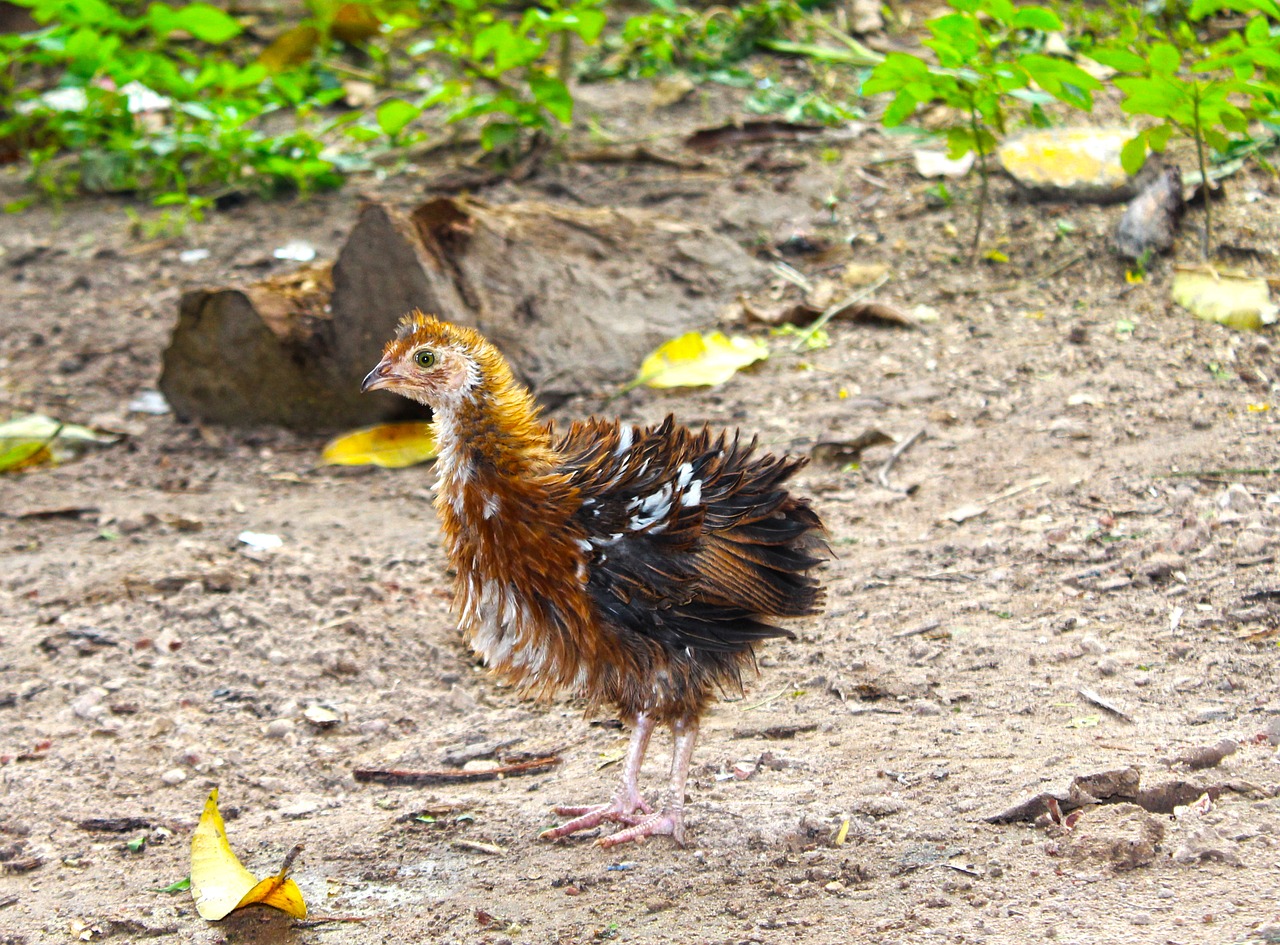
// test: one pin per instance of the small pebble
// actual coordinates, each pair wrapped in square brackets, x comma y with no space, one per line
[1236,498]
[373,726]
[279,728]
[925,707]
[1273,730]
[1108,666]
[173,777]
[88,705]
[1092,645]
[1140,918]
[1210,713]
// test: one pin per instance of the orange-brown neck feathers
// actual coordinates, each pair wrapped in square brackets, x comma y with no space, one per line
[468,384]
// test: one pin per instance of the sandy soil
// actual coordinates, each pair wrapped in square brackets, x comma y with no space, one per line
[146,656]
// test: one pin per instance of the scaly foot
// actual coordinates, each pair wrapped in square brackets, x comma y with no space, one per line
[669,823]
[627,811]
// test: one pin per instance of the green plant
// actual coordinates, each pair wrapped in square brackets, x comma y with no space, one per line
[984,66]
[140,103]
[513,74]
[703,42]
[1206,93]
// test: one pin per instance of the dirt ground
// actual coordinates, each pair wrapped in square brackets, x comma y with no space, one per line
[147,656]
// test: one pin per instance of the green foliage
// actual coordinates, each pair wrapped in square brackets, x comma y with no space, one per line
[800,106]
[138,108]
[702,42]
[504,71]
[1206,93]
[986,62]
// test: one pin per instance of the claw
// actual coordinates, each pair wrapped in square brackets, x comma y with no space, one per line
[668,823]
[584,818]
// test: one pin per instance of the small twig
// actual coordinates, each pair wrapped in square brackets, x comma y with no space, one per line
[1220,473]
[1104,703]
[1040,277]
[478,847]
[393,776]
[871,178]
[767,699]
[834,310]
[883,475]
[925,627]
[289,858]
[324,920]
[791,274]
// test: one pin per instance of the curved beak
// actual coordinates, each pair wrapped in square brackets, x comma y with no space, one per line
[379,378]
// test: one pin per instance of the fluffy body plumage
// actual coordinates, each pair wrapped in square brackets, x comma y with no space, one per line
[636,566]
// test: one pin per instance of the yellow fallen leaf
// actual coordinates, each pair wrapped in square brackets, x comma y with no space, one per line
[697,360]
[391,445]
[291,48]
[219,882]
[279,892]
[37,440]
[1226,298]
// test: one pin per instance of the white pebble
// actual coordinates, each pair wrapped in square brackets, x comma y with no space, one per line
[279,728]
[173,777]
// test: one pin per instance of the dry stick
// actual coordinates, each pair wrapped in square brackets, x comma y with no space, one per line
[883,475]
[1220,473]
[1104,703]
[289,858]
[1040,277]
[394,776]
[835,309]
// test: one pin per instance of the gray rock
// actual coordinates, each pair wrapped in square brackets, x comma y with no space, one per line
[1150,222]
[1080,164]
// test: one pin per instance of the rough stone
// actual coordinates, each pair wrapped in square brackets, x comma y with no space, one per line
[1081,164]
[1121,836]
[574,297]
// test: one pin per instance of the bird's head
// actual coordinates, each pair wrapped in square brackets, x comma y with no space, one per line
[435,363]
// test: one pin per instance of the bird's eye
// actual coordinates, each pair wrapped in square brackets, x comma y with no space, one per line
[425,358]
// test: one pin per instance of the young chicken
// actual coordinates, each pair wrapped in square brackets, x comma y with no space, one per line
[636,566]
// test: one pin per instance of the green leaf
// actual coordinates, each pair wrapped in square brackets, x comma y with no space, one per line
[1001,11]
[892,74]
[181,885]
[500,39]
[553,95]
[960,141]
[1063,80]
[394,114]
[589,24]
[1036,18]
[1134,154]
[1120,59]
[1158,137]
[1165,58]
[1258,31]
[206,23]
[498,134]
[900,109]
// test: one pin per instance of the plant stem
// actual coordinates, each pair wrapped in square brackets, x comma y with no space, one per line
[982,188]
[565,66]
[1204,174]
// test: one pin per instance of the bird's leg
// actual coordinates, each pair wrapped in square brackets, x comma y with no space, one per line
[626,801]
[670,820]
